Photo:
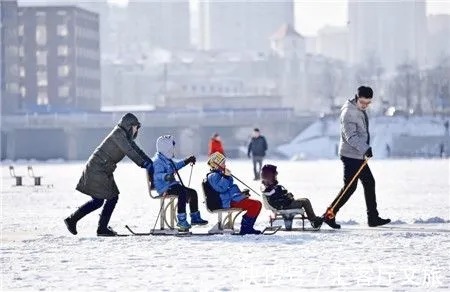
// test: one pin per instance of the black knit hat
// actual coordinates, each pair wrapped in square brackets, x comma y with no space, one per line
[365,91]
[269,168]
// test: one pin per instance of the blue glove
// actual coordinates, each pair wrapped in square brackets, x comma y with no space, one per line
[148,165]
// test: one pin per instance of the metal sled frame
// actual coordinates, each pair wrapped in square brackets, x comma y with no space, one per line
[168,210]
[281,214]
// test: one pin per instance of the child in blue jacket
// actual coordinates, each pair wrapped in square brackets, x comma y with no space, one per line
[221,181]
[164,181]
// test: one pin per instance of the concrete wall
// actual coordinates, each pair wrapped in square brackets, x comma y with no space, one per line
[3,145]
[416,146]
[79,143]
[43,144]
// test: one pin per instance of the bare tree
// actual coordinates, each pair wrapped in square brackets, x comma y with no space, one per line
[406,84]
[330,82]
[368,72]
[437,89]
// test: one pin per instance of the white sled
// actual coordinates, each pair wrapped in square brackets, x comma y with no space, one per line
[282,214]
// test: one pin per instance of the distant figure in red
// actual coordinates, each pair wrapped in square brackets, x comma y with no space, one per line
[215,145]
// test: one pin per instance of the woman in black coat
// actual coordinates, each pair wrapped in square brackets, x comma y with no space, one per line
[97,179]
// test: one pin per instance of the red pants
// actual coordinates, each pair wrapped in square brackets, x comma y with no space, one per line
[253,207]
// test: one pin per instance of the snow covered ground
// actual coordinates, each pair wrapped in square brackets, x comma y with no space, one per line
[37,251]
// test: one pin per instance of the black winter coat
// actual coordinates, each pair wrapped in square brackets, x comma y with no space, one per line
[278,197]
[97,179]
[257,146]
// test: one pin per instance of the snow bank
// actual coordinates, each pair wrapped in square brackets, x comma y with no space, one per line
[321,139]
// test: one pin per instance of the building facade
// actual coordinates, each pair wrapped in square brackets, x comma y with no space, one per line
[242,25]
[158,24]
[390,32]
[438,38]
[332,42]
[9,58]
[59,59]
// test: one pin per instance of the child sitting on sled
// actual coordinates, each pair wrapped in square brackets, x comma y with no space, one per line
[280,199]
[164,180]
[221,180]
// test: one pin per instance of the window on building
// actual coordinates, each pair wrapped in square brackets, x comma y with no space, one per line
[42,97]
[12,87]
[21,52]
[63,91]
[20,30]
[41,77]
[41,58]
[41,35]
[63,71]
[61,30]
[13,51]
[23,91]
[14,70]
[22,71]
[61,12]
[63,51]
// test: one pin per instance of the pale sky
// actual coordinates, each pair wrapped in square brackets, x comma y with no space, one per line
[311,15]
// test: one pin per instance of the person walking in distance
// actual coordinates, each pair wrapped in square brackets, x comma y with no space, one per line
[257,151]
[354,148]
[215,145]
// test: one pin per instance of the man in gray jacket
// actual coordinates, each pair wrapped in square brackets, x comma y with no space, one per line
[97,180]
[353,149]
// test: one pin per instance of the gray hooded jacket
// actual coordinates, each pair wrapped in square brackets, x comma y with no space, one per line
[354,131]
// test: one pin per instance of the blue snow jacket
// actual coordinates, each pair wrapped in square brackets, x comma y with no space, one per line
[162,167]
[229,192]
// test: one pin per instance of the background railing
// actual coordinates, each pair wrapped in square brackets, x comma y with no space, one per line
[152,119]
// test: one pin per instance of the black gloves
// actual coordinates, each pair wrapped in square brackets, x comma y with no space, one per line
[190,159]
[369,153]
[148,164]
[169,177]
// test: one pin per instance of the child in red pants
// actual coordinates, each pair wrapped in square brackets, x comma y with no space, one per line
[231,196]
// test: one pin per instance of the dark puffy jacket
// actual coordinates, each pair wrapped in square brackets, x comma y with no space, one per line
[97,179]
[257,146]
[277,196]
